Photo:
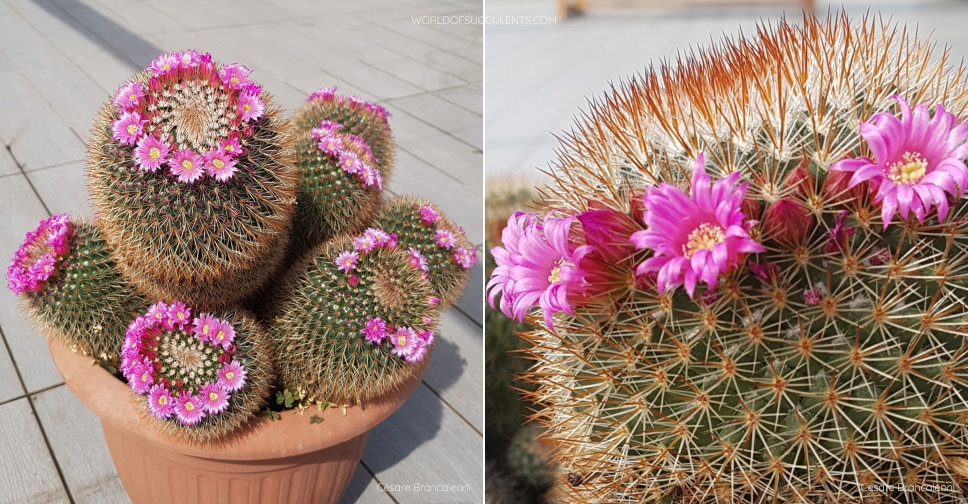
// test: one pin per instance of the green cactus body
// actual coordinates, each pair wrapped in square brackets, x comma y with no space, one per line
[204,215]
[825,369]
[332,200]
[329,347]
[85,303]
[529,457]
[447,254]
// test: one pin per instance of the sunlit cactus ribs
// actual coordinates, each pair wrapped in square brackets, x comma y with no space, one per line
[344,152]
[435,244]
[750,277]
[357,317]
[71,288]
[201,375]
[189,169]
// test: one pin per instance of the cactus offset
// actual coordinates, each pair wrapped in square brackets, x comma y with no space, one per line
[435,243]
[201,375]
[355,317]
[344,151]
[82,300]
[829,354]
[189,170]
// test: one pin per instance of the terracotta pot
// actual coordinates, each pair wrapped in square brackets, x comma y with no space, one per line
[282,461]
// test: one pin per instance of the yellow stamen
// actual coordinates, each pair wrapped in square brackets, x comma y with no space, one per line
[246,107]
[704,237]
[909,170]
[212,396]
[162,400]
[206,329]
[401,340]
[189,406]
[230,376]
[217,163]
[154,152]
[132,128]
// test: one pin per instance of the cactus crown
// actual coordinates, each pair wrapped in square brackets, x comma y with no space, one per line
[817,345]
[201,376]
[435,244]
[357,314]
[189,168]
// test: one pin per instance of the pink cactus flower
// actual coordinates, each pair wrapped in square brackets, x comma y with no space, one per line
[150,153]
[223,334]
[250,106]
[205,326]
[232,376]
[445,238]
[128,128]
[214,398]
[466,258]
[417,260]
[129,96]
[917,160]
[187,165]
[374,330]
[163,65]
[235,76]
[220,165]
[160,402]
[695,237]
[428,215]
[189,408]
[346,261]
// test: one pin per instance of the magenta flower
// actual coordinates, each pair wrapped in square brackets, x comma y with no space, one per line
[187,165]
[346,260]
[235,76]
[188,59]
[445,238]
[231,146]
[141,376]
[917,159]
[220,165]
[150,153]
[364,243]
[38,257]
[427,336]
[232,376]
[371,176]
[465,257]
[179,314]
[350,162]
[205,326]
[160,402]
[380,237]
[428,215]
[331,144]
[189,408]
[129,96]
[163,65]
[420,350]
[375,330]
[214,398]
[223,334]
[251,107]
[695,237]
[128,129]
[405,342]
[538,265]
[326,128]
[417,260]
[812,296]
[158,313]
[323,94]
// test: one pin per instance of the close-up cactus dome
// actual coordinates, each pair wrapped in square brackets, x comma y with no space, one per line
[235,254]
[746,276]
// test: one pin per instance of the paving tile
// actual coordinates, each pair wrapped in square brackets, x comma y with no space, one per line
[111,30]
[71,94]
[7,164]
[377,83]
[441,150]
[63,189]
[10,386]
[27,471]
[25,46]
[472,302]
[20,211]
[460,200]
[438,112]
[410,447]
[363,488]
[470,96]
[310,83]
[77,440]
[456,368]
[421,76]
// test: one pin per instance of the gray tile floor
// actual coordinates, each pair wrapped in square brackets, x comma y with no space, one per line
[61,59]
[540,75]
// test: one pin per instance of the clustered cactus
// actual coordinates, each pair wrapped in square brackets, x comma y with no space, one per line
[195,181]
[751,271]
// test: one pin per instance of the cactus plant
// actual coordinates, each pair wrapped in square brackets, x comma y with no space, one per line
[70,287]
[358,313]
[189,170]
[751,274]
[201,377]
[435,243]
[528,456]
[344,152]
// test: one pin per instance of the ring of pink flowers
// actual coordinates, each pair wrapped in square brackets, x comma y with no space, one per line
[19,277]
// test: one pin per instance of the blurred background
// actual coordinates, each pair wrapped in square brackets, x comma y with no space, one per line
[61,59]
[544,60]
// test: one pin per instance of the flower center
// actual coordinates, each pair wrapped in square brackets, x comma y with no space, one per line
[555,275]
[909,170]
[162,400]
[401,340]
[218,164]
[212,396]
[154,152]
[704,237]
[132,128]
[189,406]
[187,166]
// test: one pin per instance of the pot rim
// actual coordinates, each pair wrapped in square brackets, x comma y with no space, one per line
[261,439]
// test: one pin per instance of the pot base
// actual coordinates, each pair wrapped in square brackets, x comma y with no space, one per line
[150,476]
